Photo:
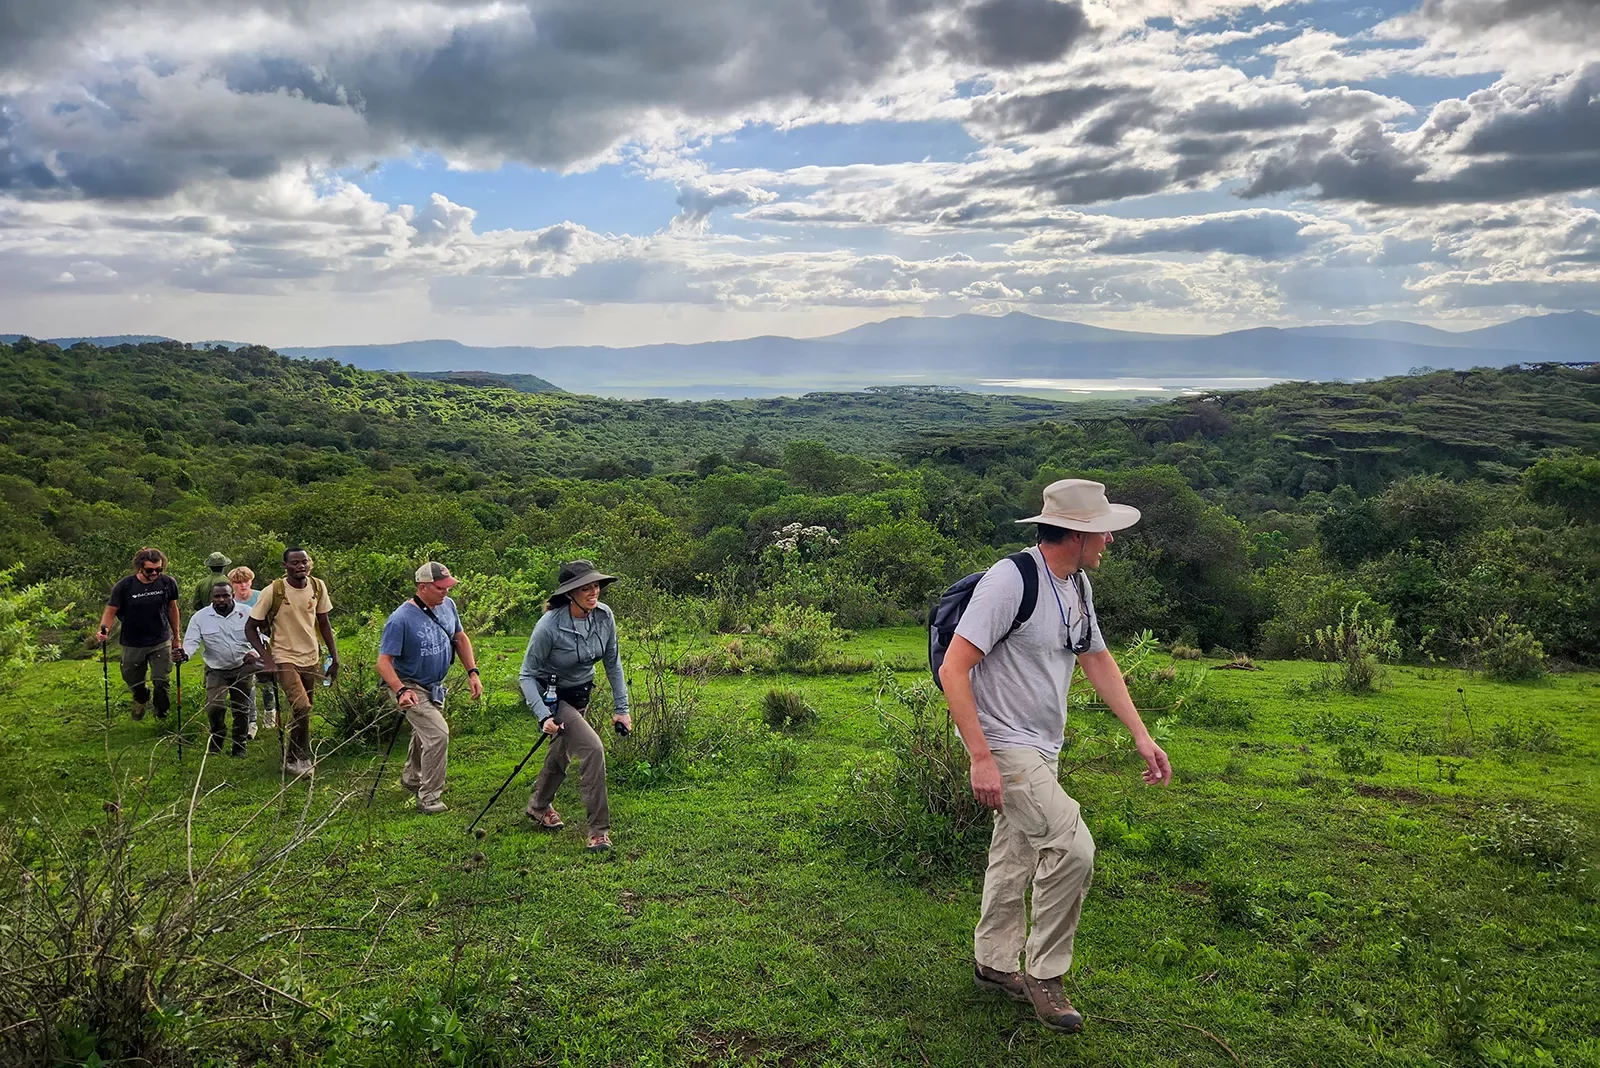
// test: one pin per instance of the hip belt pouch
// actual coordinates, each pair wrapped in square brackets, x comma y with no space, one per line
[576,696]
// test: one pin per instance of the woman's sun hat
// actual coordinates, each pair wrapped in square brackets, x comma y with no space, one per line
[1079,504]
[576,574]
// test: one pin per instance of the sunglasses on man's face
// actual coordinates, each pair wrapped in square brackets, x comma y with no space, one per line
[153,570]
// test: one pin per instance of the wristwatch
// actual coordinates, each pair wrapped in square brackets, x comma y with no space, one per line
[473,671]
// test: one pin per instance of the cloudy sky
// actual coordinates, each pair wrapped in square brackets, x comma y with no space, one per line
[625,171]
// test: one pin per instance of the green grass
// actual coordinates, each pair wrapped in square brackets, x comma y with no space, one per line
[1294,910]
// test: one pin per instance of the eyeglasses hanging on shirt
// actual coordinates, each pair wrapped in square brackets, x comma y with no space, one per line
[1075,646]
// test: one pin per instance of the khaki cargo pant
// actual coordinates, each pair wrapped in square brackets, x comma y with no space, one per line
[298,685]
[428,756]
[577,741]
[1038,838]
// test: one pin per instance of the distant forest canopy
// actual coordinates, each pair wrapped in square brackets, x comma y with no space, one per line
[1444,500]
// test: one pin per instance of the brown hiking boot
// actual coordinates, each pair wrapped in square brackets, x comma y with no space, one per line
[1050,1004]
[994,981]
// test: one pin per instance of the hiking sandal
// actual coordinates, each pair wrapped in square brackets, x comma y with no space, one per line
[600,843]
[548,820]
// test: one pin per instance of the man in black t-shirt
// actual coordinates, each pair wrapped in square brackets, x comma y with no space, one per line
[147,603]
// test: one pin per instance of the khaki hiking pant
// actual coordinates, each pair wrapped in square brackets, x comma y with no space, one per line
[1038,838]
[429,754]
[229,686]
[298,685]
[577,741]
[154,659]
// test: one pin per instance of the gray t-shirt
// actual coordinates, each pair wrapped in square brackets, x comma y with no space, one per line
[1021,682]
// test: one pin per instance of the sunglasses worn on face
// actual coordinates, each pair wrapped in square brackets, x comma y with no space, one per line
[152,570]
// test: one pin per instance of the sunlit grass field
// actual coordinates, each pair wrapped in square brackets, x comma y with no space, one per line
[1324,884]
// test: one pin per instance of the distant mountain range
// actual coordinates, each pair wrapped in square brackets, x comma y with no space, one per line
[974,351]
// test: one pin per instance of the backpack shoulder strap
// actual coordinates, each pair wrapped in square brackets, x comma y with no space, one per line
[277,602]
[1028,568]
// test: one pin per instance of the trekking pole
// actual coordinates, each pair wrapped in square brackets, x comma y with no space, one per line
[180,711]
[105,677]
[515,772]
[399,718]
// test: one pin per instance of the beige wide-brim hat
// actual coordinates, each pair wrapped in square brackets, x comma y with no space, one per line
[1079,504]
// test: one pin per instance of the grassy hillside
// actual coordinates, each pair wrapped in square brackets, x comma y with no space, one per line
[1326,882]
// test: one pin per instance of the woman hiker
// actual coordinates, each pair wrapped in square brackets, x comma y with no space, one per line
[575,633]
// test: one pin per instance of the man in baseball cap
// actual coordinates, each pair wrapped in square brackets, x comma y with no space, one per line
[1006,680]
[421,639]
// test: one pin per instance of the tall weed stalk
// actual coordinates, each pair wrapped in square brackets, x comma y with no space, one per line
[123,942]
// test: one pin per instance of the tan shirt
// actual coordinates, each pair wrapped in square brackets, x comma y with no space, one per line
[294,631]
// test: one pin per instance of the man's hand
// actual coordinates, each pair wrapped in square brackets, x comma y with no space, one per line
[1157,768]
[626,720]
[268,664]
[333,670]
[102,635]
[475,686]
[406,698]
[551,727]
[986,784]
[178,655]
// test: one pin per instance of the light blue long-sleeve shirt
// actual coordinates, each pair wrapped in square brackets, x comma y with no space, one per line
[569,648]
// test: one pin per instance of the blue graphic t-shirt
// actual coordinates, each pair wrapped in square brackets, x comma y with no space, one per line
[422,651]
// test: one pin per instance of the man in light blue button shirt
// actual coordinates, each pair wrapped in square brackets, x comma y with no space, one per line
[230,662]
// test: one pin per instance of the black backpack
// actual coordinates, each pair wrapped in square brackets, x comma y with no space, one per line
[946,612]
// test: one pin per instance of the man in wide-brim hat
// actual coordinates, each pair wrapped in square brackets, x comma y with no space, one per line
[1007,686]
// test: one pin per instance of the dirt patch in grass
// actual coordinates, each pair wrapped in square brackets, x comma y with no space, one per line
[1398,794]
[744,1048]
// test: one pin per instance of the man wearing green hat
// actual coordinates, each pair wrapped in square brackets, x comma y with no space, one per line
[219,564]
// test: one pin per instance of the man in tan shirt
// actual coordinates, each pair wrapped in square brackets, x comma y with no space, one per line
[295,610]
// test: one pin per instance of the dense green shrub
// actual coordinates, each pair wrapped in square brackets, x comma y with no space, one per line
[1357,650]
[799,634]
[1507,651]
[23,614]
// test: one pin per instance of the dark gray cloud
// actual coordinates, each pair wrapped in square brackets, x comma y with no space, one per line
[1040,113]
[548,86]
[1557,16]
[1073,180]
[1506,143]
[1280,109]
[1268,235]
[1117,109]
[1563,120]
[698,202]
[1014,33]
